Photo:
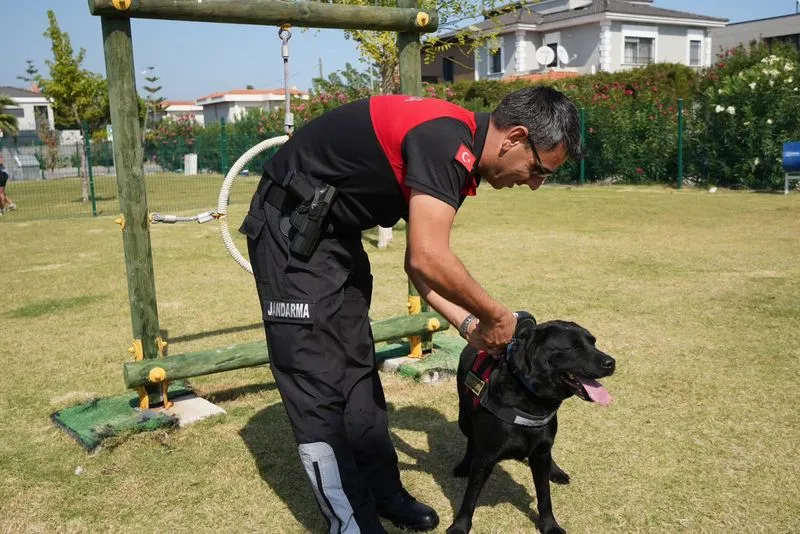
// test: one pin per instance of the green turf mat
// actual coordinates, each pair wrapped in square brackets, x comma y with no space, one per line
[92,422]
[443,360]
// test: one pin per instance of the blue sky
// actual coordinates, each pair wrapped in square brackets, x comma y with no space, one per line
[194,59]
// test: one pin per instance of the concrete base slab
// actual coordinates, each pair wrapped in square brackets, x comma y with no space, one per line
[191,408]
[393,365]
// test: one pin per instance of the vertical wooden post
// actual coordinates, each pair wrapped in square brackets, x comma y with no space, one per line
[132,193]
[409,51]
[582,178]
[680,143]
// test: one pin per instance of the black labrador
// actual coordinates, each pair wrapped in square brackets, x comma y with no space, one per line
[507,406]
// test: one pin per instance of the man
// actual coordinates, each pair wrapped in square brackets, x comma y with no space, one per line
[5,201]
[366,164]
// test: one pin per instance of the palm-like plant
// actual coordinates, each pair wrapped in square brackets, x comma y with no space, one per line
[8,122]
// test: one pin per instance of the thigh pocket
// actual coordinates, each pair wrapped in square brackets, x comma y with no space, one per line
[252,226]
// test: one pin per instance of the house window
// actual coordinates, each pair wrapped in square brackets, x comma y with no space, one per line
[448,68]
[694,53]
[496,61]
[554,48]
[639,50]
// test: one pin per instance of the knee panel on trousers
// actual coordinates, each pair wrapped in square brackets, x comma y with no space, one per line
[322,469]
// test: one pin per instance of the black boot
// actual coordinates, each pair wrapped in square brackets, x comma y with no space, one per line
[405,512]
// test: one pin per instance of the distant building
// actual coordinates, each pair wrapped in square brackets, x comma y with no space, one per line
[31,109]
[181,108]
[230,105]
[784,29]
[593,35]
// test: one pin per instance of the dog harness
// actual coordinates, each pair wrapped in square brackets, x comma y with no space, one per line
[477,381]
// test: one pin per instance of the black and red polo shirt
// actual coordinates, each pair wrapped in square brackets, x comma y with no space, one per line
[374,151]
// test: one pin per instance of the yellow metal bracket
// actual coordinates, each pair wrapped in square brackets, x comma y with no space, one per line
[162,346]
[158,375]
[121,5]
[136,350]
[414,342]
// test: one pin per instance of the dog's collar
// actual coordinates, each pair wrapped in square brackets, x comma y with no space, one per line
[480,388]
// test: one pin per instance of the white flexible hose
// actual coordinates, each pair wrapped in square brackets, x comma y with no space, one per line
[225,191]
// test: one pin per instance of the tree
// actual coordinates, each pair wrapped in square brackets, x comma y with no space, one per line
[78,96]
[380,48]
[8,122]
[153,100]
[350,82]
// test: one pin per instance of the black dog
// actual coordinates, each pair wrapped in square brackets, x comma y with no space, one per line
[513,413]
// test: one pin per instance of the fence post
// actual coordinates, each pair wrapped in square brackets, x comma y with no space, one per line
[87,143]
[223,147]
[582,178]
[680,143]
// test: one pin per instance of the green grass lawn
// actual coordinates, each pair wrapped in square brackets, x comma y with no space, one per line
[166,193]
[695,294]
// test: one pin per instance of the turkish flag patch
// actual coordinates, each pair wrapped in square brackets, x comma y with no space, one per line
[465,157]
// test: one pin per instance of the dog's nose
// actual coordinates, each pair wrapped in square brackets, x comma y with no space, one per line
[608,364]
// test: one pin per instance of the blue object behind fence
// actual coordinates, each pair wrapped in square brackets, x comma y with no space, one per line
[791,163]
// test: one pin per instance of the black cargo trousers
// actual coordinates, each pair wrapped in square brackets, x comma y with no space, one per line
[322,355]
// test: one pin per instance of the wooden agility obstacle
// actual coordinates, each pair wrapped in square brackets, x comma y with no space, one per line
[154,371]
[147,347]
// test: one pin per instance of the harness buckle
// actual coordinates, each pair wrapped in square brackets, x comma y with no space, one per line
[474,383]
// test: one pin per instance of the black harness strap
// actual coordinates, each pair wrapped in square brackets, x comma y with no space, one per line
[477,381]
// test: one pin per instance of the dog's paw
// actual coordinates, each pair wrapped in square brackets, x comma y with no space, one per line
[558,475]
[550,527]
[461,470]
[458,528]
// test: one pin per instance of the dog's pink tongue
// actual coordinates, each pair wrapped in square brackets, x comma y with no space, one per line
[596,391]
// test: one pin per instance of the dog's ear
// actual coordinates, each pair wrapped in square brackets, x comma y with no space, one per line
[526,323]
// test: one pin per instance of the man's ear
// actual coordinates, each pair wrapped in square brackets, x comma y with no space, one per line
[514,136]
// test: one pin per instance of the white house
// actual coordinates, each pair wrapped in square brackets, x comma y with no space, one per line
[31,109]
[182,108]
[595,35]
[230,105]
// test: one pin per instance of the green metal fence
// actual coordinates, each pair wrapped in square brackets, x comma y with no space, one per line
[77,180]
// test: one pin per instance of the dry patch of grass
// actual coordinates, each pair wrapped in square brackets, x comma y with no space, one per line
[695,294]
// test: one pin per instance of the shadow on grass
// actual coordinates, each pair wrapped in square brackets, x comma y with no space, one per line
[79,200]
[270,440]
[446,449]
[212,333]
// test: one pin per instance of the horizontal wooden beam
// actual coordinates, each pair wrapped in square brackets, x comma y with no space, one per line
[273,13]
[146,372]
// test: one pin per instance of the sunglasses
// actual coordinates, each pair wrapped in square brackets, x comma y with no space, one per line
[540,170]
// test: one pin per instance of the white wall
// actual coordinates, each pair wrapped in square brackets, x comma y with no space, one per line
[28,119]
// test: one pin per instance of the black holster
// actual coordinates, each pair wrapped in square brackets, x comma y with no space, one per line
[312,200]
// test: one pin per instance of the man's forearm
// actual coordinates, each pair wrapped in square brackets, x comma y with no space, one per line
[448,279]
[453,313]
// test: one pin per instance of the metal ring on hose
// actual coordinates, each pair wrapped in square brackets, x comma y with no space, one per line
[225,191]
[284,33]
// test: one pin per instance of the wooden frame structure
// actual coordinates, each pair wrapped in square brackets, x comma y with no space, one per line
[406,19]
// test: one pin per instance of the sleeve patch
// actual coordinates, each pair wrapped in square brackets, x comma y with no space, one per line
[465,157]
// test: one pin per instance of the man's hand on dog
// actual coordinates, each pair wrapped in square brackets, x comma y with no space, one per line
[493,335]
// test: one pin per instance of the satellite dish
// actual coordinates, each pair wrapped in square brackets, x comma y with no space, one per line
[563,56]
[545,55]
